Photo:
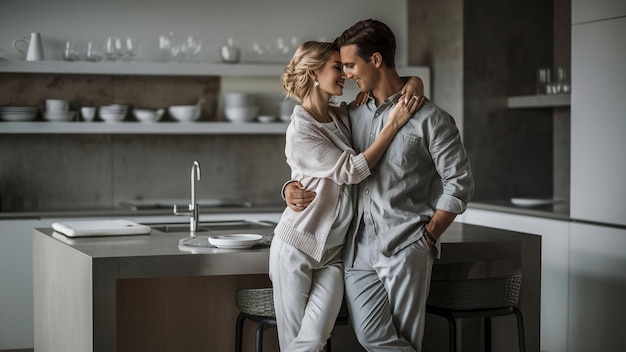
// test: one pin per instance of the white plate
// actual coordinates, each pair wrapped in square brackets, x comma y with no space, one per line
[59,116]
[532,202]
[243,240]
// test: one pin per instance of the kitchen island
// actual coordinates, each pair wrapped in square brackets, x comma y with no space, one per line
[144,293]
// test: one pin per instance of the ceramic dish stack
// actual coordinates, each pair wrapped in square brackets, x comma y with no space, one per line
[59,116]
[18,113]
[240,107]
[286,109]
[113,112]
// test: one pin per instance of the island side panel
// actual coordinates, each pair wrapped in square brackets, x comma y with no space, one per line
[62,285]
[184,313]
[105,277]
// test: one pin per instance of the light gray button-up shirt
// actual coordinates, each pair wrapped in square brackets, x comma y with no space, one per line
[425,168]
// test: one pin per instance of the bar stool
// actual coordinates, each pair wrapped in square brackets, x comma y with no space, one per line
[257,305]
[477,298]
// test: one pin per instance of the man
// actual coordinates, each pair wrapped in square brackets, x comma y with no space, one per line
[420,185]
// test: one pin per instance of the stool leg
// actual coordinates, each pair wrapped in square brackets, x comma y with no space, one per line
[239,332]
[488,334]
[520,329]
[259,337]
[452,327]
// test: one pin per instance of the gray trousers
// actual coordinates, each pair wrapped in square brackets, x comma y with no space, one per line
[307,296]
[386,296]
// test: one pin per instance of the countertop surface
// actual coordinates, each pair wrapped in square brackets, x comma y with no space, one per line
[167,244]
[557,211]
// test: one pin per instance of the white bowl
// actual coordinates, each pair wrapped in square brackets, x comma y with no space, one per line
[185,113]
[148,115]
[266,118]
[241,114]
[114,108]
[112,116]
[239,99]
[59,115]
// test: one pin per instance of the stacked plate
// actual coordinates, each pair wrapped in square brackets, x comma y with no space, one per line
[59,115]
[18,113]
[113,112]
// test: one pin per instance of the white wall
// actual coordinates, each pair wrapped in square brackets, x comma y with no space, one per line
[215,21]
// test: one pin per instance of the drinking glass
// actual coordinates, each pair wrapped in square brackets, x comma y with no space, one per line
[71,52]
[190,47]
[562,80]
[93,52]
[132,49]
[110,49]
[544,81]
[169,48]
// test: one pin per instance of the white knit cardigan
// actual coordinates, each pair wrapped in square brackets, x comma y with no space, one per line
[323,163]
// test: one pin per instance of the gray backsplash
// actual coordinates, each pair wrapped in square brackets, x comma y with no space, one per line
[60,172]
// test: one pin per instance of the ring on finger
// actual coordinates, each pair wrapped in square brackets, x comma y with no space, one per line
[415,97]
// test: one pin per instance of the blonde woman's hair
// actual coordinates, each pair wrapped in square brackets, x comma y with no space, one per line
[298,78]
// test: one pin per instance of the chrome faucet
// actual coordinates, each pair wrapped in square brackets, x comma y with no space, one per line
[193,207]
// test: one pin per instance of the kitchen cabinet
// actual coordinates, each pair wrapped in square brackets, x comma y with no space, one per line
[597,288]
[16,290]
[554,267]
[16,275]
[598,121]
[587,11]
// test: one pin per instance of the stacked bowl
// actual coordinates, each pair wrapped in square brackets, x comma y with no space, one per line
[18,113]
[240,107]
[113,112]
[286,109]
[58,110]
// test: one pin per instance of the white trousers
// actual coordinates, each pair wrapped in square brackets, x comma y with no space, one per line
[307,296]
[386,296]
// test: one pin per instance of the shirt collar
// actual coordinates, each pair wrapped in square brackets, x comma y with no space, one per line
[390,100]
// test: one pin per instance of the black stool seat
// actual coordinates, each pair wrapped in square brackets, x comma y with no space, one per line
[477,298]
[257,305]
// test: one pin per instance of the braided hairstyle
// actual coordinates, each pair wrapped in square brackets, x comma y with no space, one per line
[298,78]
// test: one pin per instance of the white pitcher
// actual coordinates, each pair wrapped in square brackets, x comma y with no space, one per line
[35,47]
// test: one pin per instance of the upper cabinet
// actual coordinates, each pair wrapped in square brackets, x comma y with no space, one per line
[587,10]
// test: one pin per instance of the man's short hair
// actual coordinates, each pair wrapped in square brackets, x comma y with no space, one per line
[370,36]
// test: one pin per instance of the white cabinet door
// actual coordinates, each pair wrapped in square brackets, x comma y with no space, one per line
[554,267]
[594,10]
[16,283]
[597,288]
[598,121]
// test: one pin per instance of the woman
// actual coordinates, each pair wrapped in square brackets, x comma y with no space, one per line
[306,253]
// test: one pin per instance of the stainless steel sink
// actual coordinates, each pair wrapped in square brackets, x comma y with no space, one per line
[260,227]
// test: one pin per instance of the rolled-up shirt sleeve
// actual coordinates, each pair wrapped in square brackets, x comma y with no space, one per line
[452,164]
